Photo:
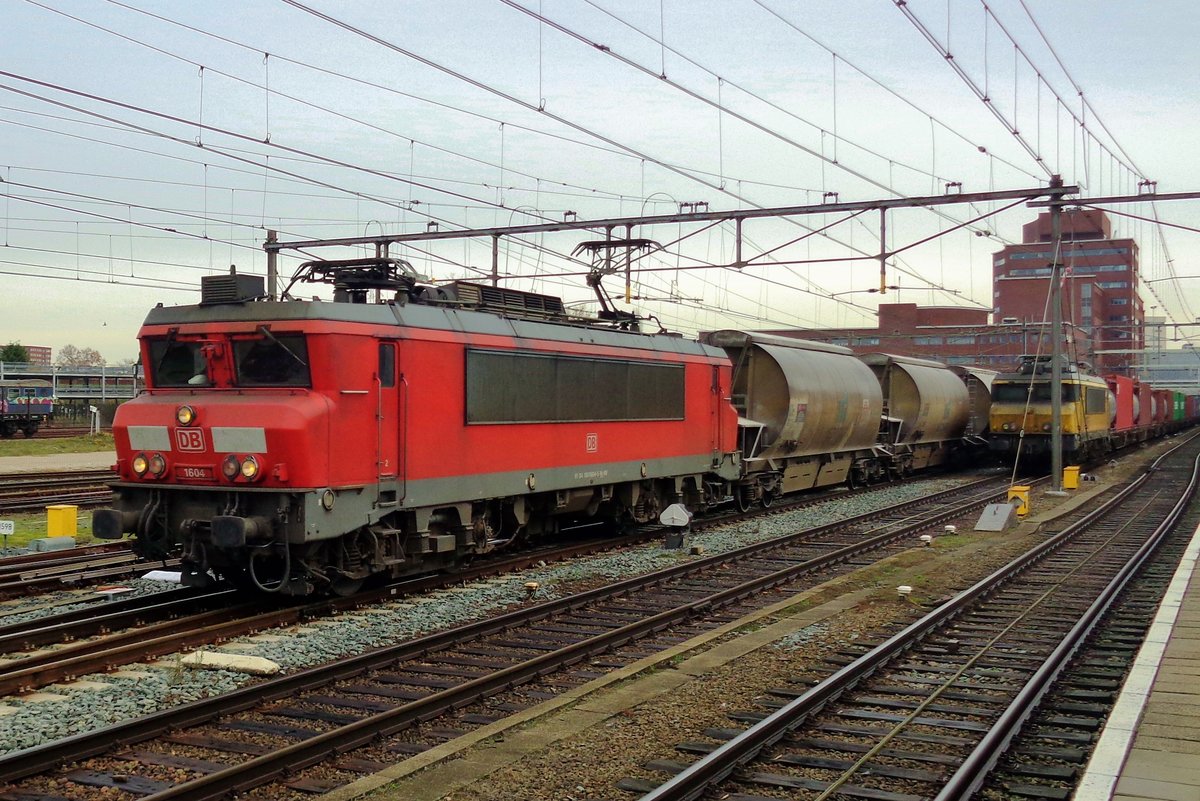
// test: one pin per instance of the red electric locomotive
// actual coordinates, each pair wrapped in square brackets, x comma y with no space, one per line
[302,446]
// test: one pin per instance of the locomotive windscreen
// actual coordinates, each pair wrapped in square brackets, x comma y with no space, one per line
[267,361]
[176,363]
[275,361]
[1019,392]
[506,387]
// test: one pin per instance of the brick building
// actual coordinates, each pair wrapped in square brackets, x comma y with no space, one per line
[39,355]
[1100,305]
[950,334]
[1100,293]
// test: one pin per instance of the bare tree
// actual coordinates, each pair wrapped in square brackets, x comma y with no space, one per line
[71,356]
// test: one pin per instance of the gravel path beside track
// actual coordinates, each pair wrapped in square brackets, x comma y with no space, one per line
[31,465]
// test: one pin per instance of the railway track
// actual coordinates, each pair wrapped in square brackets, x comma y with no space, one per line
[65,432]
[1045,760]
[324,711]
[929,712]
[19,563]
[31,574]
[22,493]
[108,635]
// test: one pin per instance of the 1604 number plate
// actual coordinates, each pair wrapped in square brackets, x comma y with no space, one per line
[194,472]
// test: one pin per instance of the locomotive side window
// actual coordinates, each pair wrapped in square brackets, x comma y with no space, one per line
[279,360]
[536,388]
[1097,400]
[387,364]
[650,386]
[177,364]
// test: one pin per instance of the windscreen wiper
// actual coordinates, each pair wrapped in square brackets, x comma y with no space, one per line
[266,332]
[170,340]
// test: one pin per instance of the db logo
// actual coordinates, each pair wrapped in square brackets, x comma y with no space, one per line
[189,439]
[593,443]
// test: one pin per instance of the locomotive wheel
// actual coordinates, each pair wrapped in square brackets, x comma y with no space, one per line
[767,500]
[743,498]
[238,578]
[345,587]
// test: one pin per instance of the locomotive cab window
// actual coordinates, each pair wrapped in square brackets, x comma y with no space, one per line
[177,364]
[1019,393]
[278,360]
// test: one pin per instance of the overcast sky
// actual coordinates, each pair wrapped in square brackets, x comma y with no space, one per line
[147,143]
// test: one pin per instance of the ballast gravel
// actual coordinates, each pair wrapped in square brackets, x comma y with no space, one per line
[56,603]
[28,721]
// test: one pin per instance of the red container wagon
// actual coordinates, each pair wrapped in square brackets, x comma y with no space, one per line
[1145,405]
[1162,406]
[1122,388]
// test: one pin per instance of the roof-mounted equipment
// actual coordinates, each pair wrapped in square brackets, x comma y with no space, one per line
[1042,365]
[231,288]
[513,302]
[352,279]
[603,263]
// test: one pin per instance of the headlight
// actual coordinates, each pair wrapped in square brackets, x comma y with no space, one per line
[231,467]
[250,468]
[141,464]
[1007,426]
[186,415]
[1045,427]
[158,465]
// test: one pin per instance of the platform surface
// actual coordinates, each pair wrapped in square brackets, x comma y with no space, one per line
[1150,747]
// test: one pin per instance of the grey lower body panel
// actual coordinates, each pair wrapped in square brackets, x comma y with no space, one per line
[438,491]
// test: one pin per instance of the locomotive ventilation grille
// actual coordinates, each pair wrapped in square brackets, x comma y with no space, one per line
[512,301]
[230,288]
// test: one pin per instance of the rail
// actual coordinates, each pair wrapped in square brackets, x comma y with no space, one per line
[701,776]
[260,769]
